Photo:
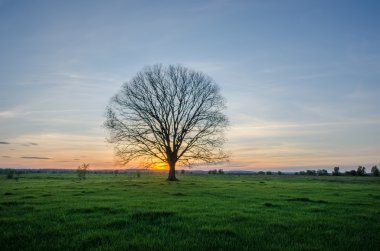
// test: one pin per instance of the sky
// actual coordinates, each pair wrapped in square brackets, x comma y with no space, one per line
[301,77]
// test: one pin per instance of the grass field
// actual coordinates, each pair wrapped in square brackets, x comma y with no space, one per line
[200,212]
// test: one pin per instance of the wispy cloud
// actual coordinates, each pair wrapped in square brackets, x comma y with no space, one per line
[7,114]
[34,157]
[4,143]
[6,157]
[30,144]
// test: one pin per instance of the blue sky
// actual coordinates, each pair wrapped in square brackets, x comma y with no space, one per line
[301,78]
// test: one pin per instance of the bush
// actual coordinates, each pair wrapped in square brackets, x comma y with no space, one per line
[10,174]
[82,170]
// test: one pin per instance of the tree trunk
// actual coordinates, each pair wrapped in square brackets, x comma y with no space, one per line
[171,176]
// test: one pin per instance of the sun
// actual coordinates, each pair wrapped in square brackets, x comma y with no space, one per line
[160,166]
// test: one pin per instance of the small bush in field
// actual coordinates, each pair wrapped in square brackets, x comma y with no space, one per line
[10,174]
[82,170]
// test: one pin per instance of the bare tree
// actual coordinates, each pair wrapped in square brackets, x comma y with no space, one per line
[168,114]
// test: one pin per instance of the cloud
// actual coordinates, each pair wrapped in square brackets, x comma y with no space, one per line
[7,114]
[7,157]
[34,157]
[30,144]
[4,143]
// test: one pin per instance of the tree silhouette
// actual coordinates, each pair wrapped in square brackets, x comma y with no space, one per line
[360,171]
[336,171]
[168,114]
[375,171]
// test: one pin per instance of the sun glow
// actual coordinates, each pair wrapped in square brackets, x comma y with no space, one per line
[160,166]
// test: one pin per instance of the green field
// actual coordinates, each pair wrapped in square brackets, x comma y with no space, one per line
[200,212]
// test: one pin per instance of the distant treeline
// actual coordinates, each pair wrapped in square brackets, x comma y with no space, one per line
[360,171]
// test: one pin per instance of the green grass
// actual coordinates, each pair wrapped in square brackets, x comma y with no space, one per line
[200,212]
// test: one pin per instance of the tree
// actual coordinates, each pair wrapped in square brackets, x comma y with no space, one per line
[375,171]
[360,171]
[336,171]
[170,115]
[322,172]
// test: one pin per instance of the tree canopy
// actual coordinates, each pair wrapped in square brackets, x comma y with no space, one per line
[168,115]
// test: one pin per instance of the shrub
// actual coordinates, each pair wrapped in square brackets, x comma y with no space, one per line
[82,170]
[10,174]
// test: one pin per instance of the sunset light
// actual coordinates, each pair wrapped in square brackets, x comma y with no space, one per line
[203,125]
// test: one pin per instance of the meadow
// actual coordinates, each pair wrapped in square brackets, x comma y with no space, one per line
[200,212]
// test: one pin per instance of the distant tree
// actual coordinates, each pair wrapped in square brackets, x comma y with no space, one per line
[322,172]
[116,172]
[261,172]
[82,170]
[168,114]
[311,172]
[269,173]
[183,171]
[279,173]
[220,171]
[336,171]
[351,173]
[214,171]
[361,171]
[375,171]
